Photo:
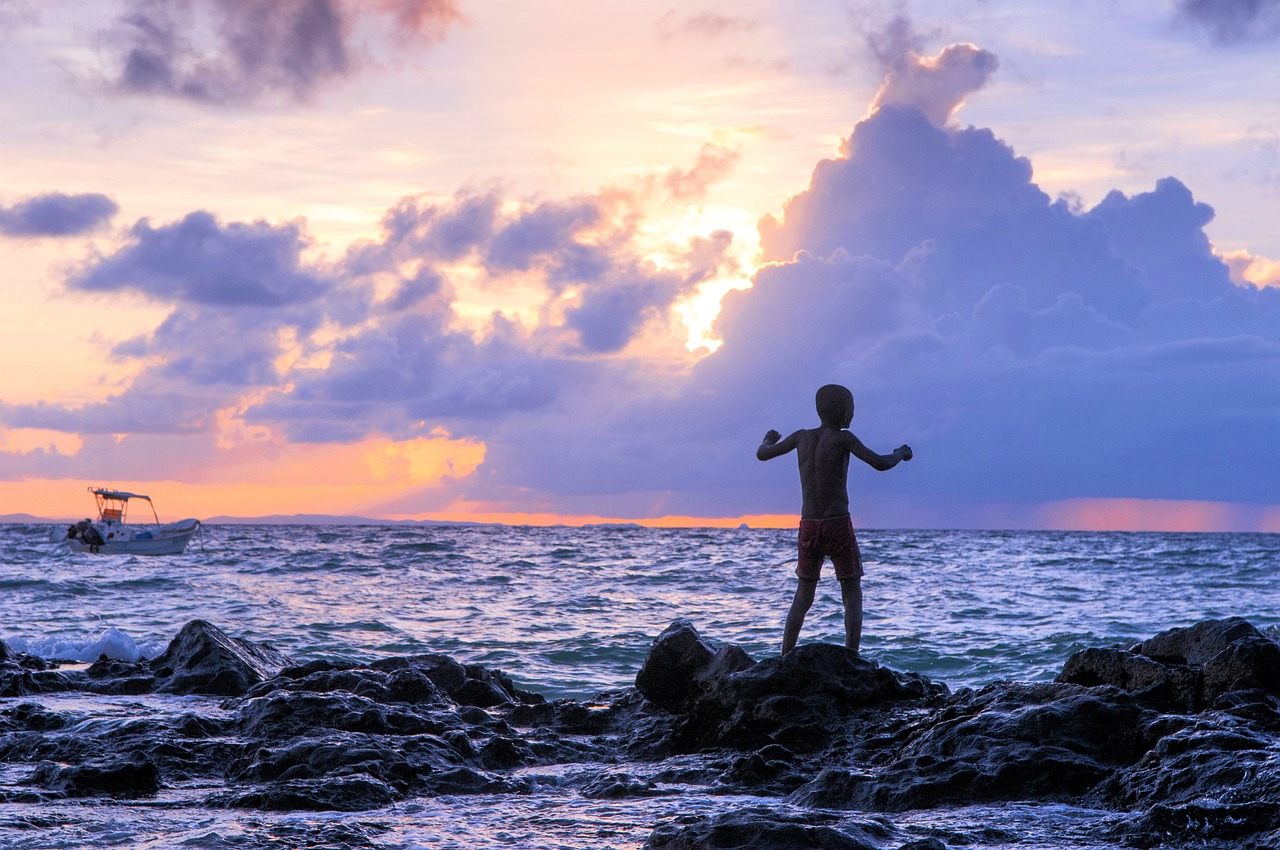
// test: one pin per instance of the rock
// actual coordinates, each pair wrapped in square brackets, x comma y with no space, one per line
[761,828]
[1048,742]
[618,786]
[1196,644]
[1174,686]
[287,714]
[1203,760]
[134,777]
[1184,669]
[669,674]
[1239,826]
[799,700]
[341,794]
[1247,663]
[203,659]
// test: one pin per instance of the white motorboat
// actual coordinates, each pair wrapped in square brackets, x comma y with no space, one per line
[110,535]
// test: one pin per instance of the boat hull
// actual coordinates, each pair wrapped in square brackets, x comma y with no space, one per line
[163,540]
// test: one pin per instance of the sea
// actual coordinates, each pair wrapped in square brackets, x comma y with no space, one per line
[572,612]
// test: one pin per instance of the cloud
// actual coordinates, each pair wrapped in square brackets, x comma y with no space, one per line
[198,260]
[715,163]
[936,85]
[704,25]
[1031,351]
[233,52]
[56,214]
[1231,22]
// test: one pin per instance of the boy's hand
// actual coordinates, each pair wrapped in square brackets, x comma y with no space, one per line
[904,451]
[770,438]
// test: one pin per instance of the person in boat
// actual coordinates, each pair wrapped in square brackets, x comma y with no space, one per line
[826,529]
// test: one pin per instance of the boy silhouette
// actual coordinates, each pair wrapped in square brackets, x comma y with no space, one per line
[826,529]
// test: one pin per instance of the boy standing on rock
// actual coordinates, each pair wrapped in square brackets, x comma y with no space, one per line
[826,529]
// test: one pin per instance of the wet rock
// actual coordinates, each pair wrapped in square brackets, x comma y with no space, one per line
[288,714]
[1251,662]
[1184,669]
[1007,742]
[341,794]
[1209,823]
[1173,686]
[761,828]
[25,675]
[443,671]
[1208,759]
[403,685]
[800,700]
[670,671]
[30,717]
[133,777]
[203,659]
[618,786]
[1196,644]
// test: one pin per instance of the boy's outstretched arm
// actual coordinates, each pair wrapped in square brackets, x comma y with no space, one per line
[878,461]
[773,445]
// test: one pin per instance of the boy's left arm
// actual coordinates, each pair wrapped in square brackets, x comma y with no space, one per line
[875,460]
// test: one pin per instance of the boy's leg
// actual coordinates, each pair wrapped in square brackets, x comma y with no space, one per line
[795,617]
[851,595]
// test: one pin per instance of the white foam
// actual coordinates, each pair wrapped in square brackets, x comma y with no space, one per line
[113,643]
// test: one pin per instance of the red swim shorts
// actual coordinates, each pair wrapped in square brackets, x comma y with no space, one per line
[833,538]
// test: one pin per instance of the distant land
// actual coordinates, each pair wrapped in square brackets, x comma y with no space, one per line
[274,519]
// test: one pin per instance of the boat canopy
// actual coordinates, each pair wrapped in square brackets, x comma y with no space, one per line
[104,496]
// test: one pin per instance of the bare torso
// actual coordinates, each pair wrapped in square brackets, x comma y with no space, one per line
[823,456]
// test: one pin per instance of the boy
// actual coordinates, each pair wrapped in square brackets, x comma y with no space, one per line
[826,528]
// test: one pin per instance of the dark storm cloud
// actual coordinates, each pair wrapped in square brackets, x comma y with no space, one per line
[56,214]
[1232,22]
[237,51]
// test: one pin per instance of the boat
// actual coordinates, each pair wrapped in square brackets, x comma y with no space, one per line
[110,535]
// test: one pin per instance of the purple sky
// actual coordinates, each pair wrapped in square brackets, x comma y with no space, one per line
[1038,343]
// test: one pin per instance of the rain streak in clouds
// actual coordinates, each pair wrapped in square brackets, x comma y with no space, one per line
[1029,349]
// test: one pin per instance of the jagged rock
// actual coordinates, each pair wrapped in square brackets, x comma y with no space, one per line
[1007,742]
[762,828]
[1184,669]
[30,717]
[670,671]
[285,714]
[1196,644]
[1203,760]
[342,794]
[798,700]
[1247,663]
[133,777]
[203,659]
[1208,823]
[618,786]
[1173,686]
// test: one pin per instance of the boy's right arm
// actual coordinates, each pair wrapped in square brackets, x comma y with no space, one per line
[773,445]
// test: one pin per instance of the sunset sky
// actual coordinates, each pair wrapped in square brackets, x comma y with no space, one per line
[567,261]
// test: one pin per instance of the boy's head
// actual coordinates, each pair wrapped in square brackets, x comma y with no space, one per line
[835,406]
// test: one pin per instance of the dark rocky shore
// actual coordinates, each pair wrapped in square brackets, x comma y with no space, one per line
[1179,736]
